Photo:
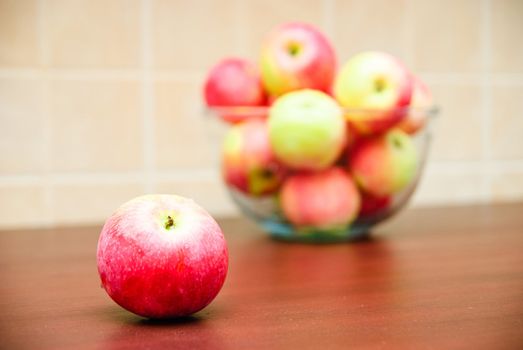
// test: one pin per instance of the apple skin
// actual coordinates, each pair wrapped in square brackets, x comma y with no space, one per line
[297,56]
[420,102]
[157,271]
[307,130]
[378,84]
[234,82]
[326,200]
[371,205]
[384,164]
[248,162]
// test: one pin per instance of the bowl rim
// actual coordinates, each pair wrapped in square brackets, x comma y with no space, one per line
[260,111]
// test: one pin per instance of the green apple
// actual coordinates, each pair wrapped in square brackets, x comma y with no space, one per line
[307,130]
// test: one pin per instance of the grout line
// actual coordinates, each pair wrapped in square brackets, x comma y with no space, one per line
[111,177]
[408,57]
[243,30]
[192,175]
[239,32]
[328,8]
[174,75]
[42,75]
[460,166]
[486,99]
[147,98]
[442,167]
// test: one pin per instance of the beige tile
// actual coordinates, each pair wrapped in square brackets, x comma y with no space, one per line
[451,185]
[445,35]
[18,33]
[90,204]
[370,25]
[507,27]
[507,186]
[96,126]
[192,34]
[182,135]
[21,126]
[93,33]
[22,206]
[210,194]
[458,127]
[507,128]
[259,17]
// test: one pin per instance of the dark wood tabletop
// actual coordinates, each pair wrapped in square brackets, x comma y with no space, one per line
[446,278]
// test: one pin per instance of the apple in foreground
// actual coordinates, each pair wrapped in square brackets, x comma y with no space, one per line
[248,162]
[420,103]
[384,164]
[377,87]
[325,200]
[162,256]
[307,129]
[297,56]
[234,82]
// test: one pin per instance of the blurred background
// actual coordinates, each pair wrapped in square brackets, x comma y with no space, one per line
[100,101]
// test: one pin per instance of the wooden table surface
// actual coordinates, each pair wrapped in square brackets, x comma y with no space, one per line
[432,279]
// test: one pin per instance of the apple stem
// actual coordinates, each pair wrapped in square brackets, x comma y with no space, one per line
[169,223]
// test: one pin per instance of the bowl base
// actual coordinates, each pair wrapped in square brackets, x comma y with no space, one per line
[285,232]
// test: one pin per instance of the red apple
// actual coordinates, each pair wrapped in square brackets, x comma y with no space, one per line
[420,103]
[162,256]
[248,162]
[384,164]
[297,56]
[327,199]
[371,205]
[375,88]
[234,82]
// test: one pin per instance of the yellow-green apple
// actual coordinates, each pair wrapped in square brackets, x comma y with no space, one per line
[327,199]
[384,164]
[297,56]
[420,103]
[234,82]
[307,129]
[375,88]
[162,256]
[248,162]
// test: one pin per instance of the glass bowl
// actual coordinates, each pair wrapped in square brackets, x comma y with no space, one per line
[266,210]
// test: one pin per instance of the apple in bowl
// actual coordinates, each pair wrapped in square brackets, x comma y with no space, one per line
[420,103]
[162,256]
[297,56]
[376,89]
[231,85]
[324,200]
[307,130]
[384,164]
[248,162]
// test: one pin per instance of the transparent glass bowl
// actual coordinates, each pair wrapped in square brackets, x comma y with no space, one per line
[266,211]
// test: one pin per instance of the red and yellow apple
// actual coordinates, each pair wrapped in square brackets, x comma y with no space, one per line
[420,103]
[297,56]
[326,199]
[384,164]
[375,88]
[234,82]
[307,130]
[162,256]
[248,162]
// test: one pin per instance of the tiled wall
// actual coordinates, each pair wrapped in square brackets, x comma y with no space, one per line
[100,100]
